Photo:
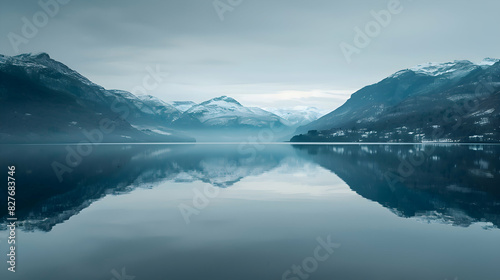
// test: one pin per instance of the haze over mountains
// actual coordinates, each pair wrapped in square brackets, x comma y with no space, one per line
[44,101]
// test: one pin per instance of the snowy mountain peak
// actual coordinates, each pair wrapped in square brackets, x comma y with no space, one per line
[222,103]
[455,68]
[436,69]
[34,62]
[41,55]
[226,112]
[218,105]
[159,106]
[40,59]
[32,56]
[224,99]
[489,61]
[151,98]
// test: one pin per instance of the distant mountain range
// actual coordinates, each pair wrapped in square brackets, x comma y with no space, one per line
[299,115]
[44,101]
[450,102]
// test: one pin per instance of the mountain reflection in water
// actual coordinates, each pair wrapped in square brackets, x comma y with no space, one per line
[455,184]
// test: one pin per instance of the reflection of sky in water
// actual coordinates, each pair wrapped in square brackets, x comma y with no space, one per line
[293,179]
[269,216]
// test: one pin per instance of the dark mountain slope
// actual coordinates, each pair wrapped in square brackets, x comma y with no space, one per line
[460,103]
[42,100]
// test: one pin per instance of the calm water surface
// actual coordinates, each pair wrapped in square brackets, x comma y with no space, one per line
[256,212]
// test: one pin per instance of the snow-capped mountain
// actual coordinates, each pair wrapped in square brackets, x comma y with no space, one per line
[43,100]
[460,99]
[488,61]
[35,63]
[160,107]
[225,112]
[299,115]
[453,69]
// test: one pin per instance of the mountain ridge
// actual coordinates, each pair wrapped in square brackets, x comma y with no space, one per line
[43,100]
[410,105]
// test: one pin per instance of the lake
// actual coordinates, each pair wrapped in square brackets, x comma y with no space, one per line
[254,211]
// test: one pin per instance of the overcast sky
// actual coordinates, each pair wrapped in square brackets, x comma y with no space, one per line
[269,53]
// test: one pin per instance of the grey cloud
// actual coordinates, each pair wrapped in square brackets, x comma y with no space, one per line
[290,43]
